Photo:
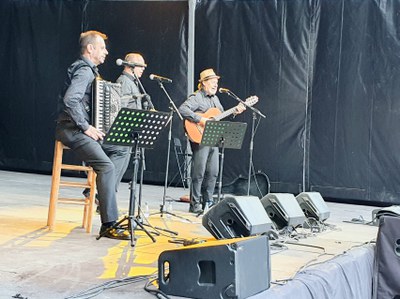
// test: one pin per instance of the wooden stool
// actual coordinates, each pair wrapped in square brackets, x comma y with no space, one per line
[56,184]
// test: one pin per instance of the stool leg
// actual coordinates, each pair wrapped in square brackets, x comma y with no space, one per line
[85,212]
[87,202]
[55,184]
[89,206]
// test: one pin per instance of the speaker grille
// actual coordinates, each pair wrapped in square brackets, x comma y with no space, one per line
[313,205]
[239,216]
[283,209]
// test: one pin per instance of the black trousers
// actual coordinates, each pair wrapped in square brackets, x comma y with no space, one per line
[120,156]
[204,172]
[91,152]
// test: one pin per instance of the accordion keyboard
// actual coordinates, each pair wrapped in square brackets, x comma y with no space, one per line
[106,103]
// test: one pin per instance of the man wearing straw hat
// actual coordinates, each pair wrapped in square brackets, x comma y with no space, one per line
[135,97]
[205,162]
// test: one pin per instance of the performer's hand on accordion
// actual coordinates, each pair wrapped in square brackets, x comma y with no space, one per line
[94,133]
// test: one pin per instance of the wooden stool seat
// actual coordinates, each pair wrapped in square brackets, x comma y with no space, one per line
[57,183]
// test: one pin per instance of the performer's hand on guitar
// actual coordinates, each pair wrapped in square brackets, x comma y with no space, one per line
[203,121]
[94,133]
[240,108]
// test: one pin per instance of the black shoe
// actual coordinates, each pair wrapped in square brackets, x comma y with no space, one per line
[196,209]
[208,205]
[86,192]
[116,233]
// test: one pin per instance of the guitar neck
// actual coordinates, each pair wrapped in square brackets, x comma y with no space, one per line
[225,114]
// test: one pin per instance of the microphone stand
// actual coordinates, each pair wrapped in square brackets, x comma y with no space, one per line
[255,111]
[143,162]
[173,109]
[143,167]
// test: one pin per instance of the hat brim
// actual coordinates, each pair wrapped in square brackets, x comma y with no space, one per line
[209,77]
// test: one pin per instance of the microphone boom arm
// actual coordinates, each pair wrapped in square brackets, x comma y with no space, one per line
[172,104]
[231,94]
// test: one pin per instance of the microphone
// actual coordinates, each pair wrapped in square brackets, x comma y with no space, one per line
[160,79]
[131,64]
[224,90]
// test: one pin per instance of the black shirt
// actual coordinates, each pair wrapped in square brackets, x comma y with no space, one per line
[199,102]
[77,95]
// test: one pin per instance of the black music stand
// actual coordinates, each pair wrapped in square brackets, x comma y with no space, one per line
[224,134]
[137,128]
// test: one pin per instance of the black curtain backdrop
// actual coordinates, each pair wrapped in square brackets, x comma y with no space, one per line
[261,47]
[41,41]
[325,72]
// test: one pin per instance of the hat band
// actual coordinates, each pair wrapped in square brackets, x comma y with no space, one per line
[209,77]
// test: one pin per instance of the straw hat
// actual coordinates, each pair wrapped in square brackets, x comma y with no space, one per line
[207,74]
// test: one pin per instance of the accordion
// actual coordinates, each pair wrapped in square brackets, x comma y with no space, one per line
[106,103]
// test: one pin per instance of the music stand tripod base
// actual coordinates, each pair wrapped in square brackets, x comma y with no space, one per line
[137,128]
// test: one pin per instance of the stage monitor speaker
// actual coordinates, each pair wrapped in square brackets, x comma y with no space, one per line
[313,205]
[387,259]
[234,268]
[237,216]
[283,209]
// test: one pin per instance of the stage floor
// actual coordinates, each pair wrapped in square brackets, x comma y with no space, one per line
[38,263]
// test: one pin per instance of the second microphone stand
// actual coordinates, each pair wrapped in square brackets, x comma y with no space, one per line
[142,160]
[149,106]
[173,109]
[255,112]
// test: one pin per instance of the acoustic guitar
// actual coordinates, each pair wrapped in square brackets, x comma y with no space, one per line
[195,130]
